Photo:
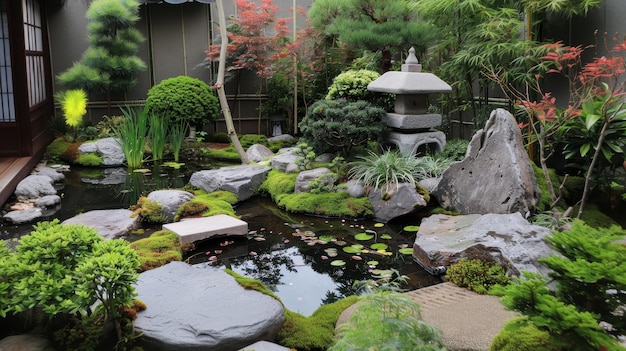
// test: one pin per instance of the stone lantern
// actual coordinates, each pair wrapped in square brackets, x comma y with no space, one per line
[411,124]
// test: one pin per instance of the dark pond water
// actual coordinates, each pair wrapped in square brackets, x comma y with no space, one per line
[307,261]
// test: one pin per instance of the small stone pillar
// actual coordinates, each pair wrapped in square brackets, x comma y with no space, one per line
[411,124]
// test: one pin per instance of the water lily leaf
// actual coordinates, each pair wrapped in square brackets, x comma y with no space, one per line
[379,225]
[308,233]
[385,236]
[411,228]
[363,236]
[175,165]
[372,263]
[338,263]
[351,249]
[331,252]
[340,243]
[326,238]
[406,251]
[379,246]
[382,272]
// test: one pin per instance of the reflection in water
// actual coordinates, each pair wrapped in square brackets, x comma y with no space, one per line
[280,255]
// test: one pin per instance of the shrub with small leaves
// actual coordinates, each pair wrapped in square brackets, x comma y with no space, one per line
[307,156]
[337,126]
[352,85]
[477,275]
[183,98]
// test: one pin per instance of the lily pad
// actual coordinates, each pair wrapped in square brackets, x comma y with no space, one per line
[411,228]
[372,263]
[379,246]
[406,251]
[338,263]
[353,249]
[385,236]
[379,225]
[331,252]
[175,165]
[326,238]
[363,236]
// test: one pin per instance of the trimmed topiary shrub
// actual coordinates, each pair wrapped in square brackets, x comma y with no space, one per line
[352,85]
[477,275]
[337,126]
[183,98]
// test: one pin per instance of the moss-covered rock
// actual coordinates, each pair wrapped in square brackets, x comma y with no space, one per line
[328,204]
[90,159]
[148,210]
[203,204]
[158,249]
[278,183]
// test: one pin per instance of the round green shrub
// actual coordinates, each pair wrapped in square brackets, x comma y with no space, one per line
[521,335]
[337,126]
[183,98]
[477,275]
[352,85]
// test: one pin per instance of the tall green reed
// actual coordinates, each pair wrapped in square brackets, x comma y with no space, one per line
[158,135]
[131,135]
[178,131]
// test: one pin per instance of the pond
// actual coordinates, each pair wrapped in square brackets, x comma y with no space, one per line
[307,261]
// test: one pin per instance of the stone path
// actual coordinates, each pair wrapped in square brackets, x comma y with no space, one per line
[468,320]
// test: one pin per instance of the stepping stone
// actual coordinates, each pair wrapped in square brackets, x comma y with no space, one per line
[196,229]
[110,224]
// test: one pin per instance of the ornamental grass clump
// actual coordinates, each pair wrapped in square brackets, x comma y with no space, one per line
[176,137]
[131,135]
[386,170]
[74,106]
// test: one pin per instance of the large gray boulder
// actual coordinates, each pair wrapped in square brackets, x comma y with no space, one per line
[496,175]
[34,186]
[110,224]
[108,148]
[202,308]
[305,177]
[55,175]
[170,201]
[507,239]
[396,202]
[243,180]
[285,160]
[258,152]
[23,216]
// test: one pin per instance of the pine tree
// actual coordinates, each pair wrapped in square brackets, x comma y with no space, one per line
[110,63]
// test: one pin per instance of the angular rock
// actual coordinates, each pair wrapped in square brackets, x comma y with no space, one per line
[507,239]
[258,152]
[25,342]
[23,216]
[170,201]
[242,180]
[400,201]
[110,224]
[52,173]
[305,177]
[355,188]
[202,308]
[285,137]
[325,157]
[496,175]
[429,184]
[48,201]
[108,148]
[34,186]
[284,160]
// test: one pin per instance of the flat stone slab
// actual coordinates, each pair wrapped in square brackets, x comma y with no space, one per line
[110,224]
[196,229]
[412,122]
[202,308]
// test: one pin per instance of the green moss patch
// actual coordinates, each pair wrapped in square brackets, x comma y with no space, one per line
[217,202]
[278,183]
[90,159]
[148,210]
[329,204]
[315,332]
[158,249]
